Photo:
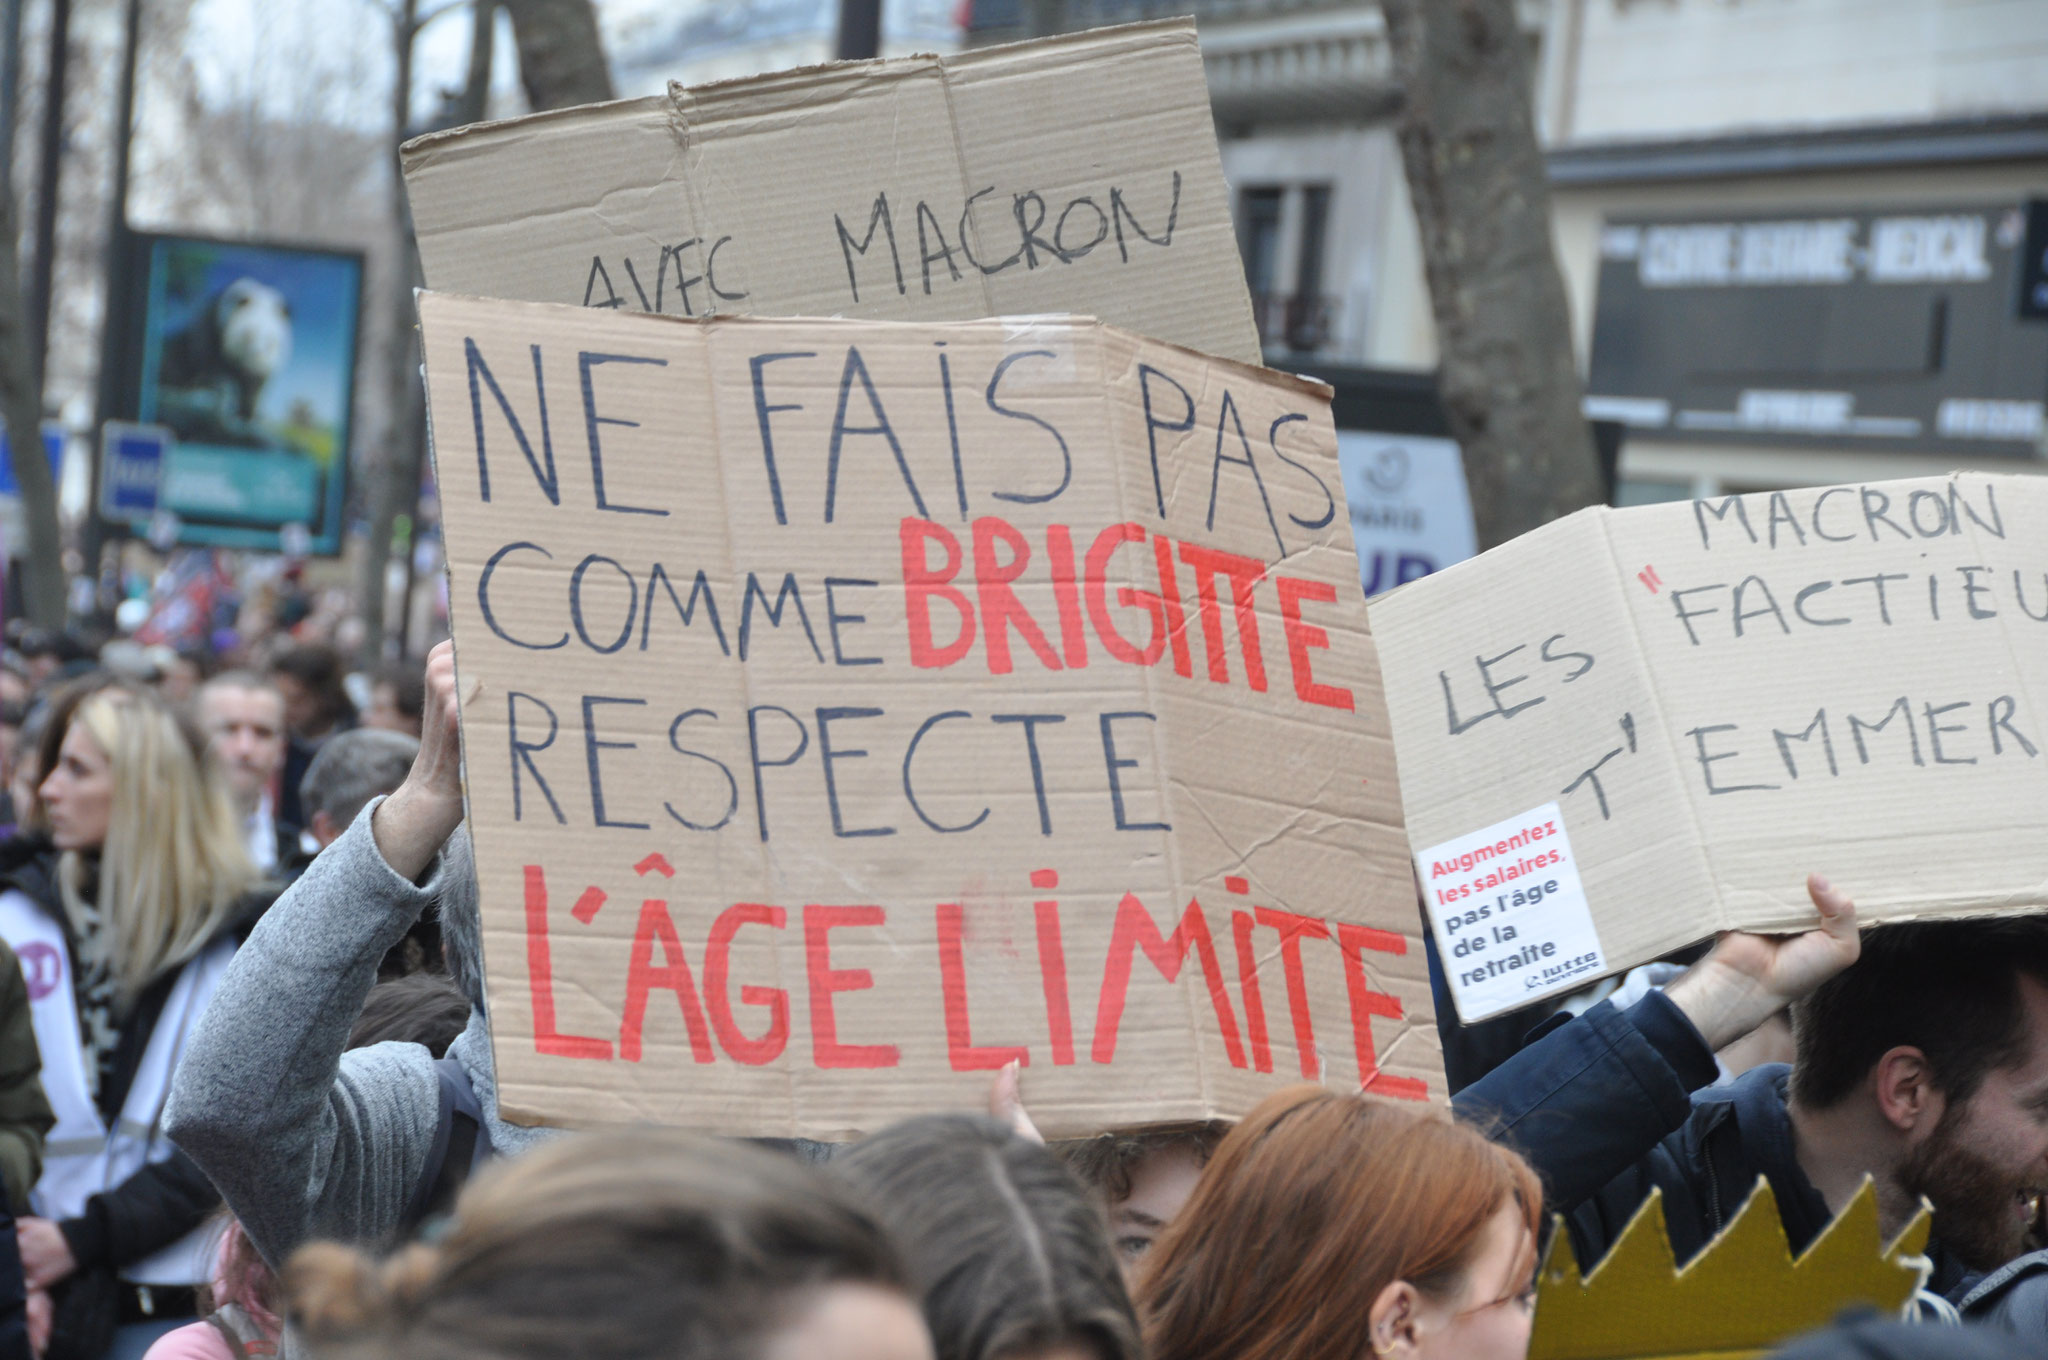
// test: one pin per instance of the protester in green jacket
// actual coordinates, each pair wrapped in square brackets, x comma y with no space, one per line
[24,1110]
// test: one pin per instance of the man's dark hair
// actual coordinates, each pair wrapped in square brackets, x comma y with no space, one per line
[351,769]
[321,670]
[65,646]
[1947,988]
[408,681]
[1008,1251]
[421,1008]
[1106,1162]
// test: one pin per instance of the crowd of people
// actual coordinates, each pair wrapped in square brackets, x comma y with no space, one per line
[248,1107]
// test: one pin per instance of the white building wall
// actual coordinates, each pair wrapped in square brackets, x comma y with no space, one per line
[1684,68]
[1403,331]
[1620,71]
[1362,166]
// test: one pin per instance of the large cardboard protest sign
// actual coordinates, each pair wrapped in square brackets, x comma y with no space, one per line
[1632,728]
[1073,174]
[853,707]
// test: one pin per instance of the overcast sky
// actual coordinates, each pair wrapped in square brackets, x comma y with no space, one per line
[351,39]
[346,39]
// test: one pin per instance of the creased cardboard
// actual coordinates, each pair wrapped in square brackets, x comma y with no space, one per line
[1072,174]
[853,707]
[1719,698]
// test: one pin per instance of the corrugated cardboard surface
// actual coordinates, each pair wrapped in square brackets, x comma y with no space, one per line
[1072,174]
[584,682]
[1722,787]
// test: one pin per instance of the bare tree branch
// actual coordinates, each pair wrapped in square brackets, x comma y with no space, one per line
[21,407]
[561,58]
[1482,201]
[476,87]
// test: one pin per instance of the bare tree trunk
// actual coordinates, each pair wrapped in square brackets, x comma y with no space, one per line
[476,89]
[395,475]
[1043,18]
[395,470]
[1509,385]
[21,406]
[860,30]
[561,58]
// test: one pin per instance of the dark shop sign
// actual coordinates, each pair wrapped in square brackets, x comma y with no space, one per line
[1892,329]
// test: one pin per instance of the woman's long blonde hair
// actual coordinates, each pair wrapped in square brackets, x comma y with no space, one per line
[174,865]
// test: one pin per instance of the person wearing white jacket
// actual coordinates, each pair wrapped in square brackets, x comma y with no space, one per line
[142,890]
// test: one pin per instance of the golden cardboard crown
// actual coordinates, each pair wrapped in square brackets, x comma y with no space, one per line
[1738,1298]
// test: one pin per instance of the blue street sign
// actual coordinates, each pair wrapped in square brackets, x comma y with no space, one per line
[132,459]
[53,445]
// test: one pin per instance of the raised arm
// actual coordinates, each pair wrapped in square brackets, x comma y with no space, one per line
[302,1141]
[1591,1100]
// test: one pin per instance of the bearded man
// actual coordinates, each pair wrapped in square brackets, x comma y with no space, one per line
[1922,1066]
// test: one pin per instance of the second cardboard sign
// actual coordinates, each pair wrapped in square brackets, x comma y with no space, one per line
[1631,729]
[1075,174]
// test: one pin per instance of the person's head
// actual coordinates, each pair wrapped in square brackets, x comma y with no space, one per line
[180,675]
[419,1008]
[243,716]
[241,1277]
[619,1245]
[1331,1226]
[459,911]
[12,715]
[27,771]
[1005,1247]
[351,769]
[129,796]
[46,656]
[398,695]
[1935,1041]
[15,687]
[316,701]
[1142,1179]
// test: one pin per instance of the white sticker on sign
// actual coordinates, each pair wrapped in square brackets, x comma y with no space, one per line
[1510,914]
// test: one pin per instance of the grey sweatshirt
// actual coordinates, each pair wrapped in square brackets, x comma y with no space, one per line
[303,1140]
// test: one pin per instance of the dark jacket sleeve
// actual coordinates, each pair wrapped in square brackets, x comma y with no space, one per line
[13,1295]
[25,1115]
[1589,1101]
[150,1210]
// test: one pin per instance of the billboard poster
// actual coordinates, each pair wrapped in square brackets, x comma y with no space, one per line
[246,352]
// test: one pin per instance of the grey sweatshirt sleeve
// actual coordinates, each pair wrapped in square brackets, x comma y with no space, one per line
[302,1140]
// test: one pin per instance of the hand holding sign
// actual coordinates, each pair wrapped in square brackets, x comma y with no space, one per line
[1747,979]
[412,823]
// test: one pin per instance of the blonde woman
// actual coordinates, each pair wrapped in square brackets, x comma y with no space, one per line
[124,909]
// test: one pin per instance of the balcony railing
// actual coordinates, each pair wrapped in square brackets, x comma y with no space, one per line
[1301,323]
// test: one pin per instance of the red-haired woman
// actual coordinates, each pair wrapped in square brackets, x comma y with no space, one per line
[1330,1226]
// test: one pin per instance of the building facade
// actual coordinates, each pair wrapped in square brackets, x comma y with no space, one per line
[1793,232]
[651,42]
